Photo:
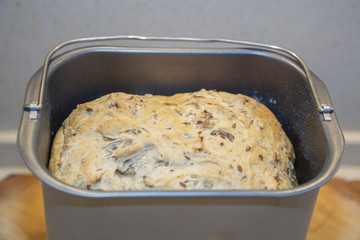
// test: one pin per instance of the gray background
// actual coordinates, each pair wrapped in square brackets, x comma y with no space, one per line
[324,33]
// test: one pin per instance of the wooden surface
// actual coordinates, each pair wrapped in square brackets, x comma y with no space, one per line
[21,209]
[336,215]
[337,212]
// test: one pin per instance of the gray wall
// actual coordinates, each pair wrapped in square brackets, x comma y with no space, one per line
[325,33]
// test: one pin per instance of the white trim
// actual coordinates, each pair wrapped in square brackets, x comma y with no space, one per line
[352,137]
[348,172]
[9,137]
[6,171]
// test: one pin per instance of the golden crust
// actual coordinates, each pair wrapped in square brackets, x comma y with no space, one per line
[188,141]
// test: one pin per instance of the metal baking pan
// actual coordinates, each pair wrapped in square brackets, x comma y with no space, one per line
[274,76]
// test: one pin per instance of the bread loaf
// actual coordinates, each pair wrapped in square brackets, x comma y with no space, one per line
[205,140]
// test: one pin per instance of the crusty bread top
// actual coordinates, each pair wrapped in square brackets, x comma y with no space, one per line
[189,141]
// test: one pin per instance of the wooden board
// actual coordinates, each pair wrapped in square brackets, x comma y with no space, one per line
[337,212]
[336,215]
[21,209]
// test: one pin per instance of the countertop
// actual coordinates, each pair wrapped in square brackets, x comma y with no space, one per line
[336,215]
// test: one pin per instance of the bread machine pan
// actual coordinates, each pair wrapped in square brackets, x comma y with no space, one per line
[274,76]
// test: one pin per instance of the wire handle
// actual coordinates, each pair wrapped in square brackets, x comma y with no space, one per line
[34,107]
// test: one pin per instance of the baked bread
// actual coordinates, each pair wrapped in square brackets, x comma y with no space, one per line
[205,140]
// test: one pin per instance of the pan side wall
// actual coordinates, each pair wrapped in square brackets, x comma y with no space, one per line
[73,217]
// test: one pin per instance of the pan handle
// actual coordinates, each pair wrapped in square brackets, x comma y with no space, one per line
[34,107]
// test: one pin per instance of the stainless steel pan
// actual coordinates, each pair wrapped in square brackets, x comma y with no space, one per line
[274,76]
